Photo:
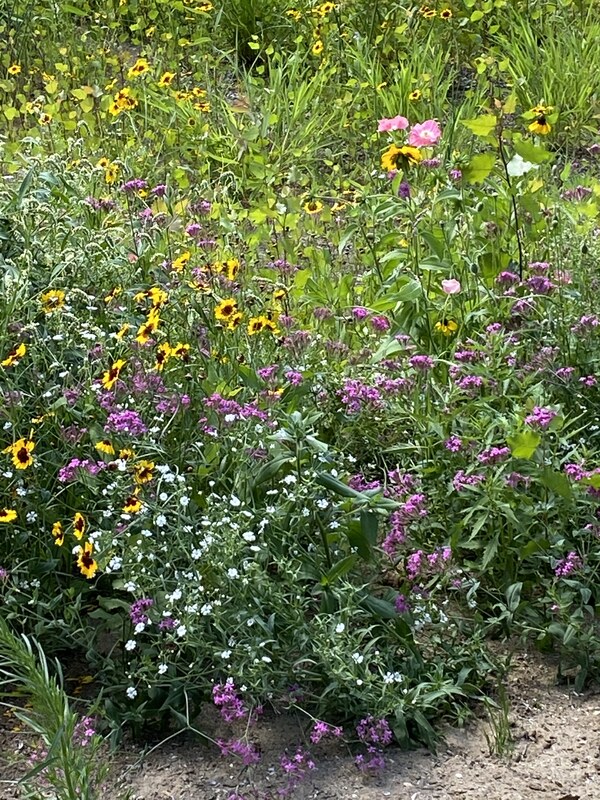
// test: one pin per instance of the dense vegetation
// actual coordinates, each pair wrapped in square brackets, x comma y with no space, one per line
[299,350]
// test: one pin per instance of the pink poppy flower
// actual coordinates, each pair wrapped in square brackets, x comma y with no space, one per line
[425,134]
[394,124]
[451,287]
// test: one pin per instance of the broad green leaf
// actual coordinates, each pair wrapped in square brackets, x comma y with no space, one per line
[339,569]
[531,152]
[524,445]
[479,167]
[557,482]
[481,126]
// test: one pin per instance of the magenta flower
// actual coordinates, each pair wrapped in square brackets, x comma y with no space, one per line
[398,123]
[425,134]
[451,286]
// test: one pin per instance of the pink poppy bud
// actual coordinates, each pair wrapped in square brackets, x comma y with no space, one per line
[451,287]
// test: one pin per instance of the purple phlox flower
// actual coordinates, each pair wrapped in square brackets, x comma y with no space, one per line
[462,481]
[167,624]
[69,471]
[355,395]
[237,747]
[586,323]
[84,731]
[360,312]
[3,573]
[413,507]
[455,174]
[468,356]
[396,535]
[515,479]
[493,455]
[431,163]
[359,483]
[194,229]
[540,417]
[295,378]
[565,373]
[540,284]
[539,267]
[227,700]
[567,565]
[588,380]
[507,278]
[372,730]
[401,482]
[268,373]
[322,730]
[372,762]
[401,604]
[137,611]
[126,421]
[469,384]
[421,362]
[134,185]
[523,307]
[380,323]
[453,444]
[159,190]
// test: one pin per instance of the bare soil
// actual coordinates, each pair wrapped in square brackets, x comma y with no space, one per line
[555,756]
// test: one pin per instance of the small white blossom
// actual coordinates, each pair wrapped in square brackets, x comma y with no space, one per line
[130,645]
[132,693]
[340,627]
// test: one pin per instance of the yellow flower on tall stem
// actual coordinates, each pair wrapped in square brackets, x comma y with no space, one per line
[52,300]
[58,533]
[79,525]
[15,355]
[395,157]
[143,471]
[21,453]
[111,376]
[85,561]
[7,515]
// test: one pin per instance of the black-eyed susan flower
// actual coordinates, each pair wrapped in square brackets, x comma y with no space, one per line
[430,13]
[313,207]
[141,67]
[122,330]
[226,309]
[126,453]
[111,376]
[85,561]
[45,119]
[148,327]
[446,326]
[157,296]
[111,173]
[21,452]
[255,325]
[166,79]
[103,162]
[79,526]
[15,355]
[14,69]
[163,354]
[105,446]
[52,300]
[294,14]
[395,157]
[317,47]
[234,320]
[415,95]
[7,515]
[143,471]
[181,350]
[180,263]
[446,13]
[133,504]
[113,294]
[540,125]
[58,533]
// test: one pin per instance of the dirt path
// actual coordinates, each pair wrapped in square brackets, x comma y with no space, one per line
[556,756]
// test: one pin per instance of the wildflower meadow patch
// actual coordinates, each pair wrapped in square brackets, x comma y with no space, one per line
[298,364]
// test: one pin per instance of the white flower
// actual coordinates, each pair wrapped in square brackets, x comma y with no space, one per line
[340,627]
[130,645]
[289,480]
[130,586]
[226,655]
[140,627]
[162,668]
[181,630]
[358,658]
[233,573]
[163,496]
[161,521]
[266,659]
[184,500]
[206,609]
[249,537]
[131,693]
[196,554]
[235,501]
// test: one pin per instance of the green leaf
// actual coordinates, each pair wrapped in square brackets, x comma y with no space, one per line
[480,126]
[480,166]
[531,152]
[524,445]
[557,482]
[329,482]
[490,551]
[513,596]
[339,569]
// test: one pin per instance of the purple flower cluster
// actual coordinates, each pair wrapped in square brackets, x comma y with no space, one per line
[375,734]
[540,417]
[69,471]
[84,731]
[296,768]
[462,481]
[356,395]
[453,444]
[323,730]
[134,185]
[227,700]
[137,611]
[567,565]
[421,362]
[100,203]
[420,563]
[237,747]
[588,322]
[493,455]
[129,422]
[232,411]
[396,535]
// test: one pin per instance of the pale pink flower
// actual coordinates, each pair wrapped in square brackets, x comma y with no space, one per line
[394,124]
[425,134]
[451,287]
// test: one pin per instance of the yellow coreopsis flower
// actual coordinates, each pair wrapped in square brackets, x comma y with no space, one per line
[400,156]
[52,300]
[141,67]
[86,562]
[21,453]
[111,376]
[7,515]
[15,355]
